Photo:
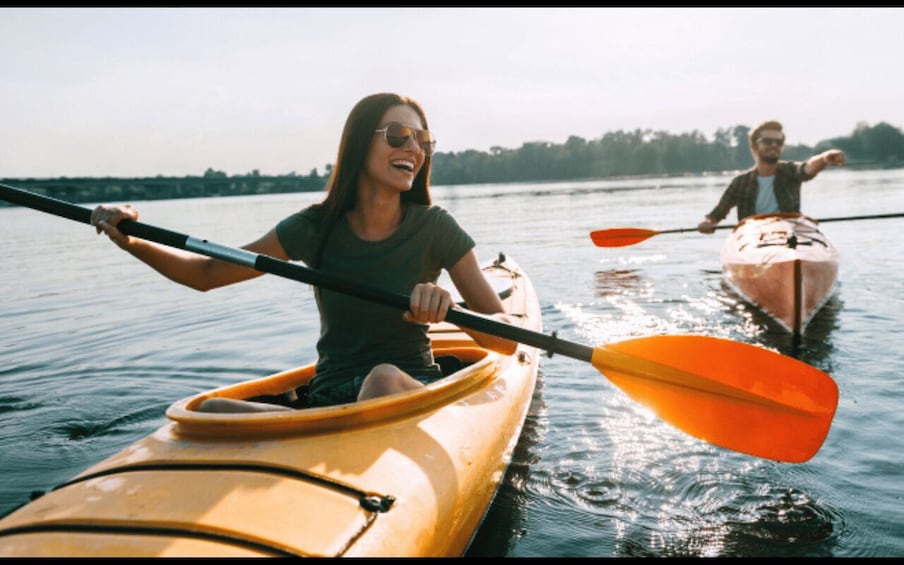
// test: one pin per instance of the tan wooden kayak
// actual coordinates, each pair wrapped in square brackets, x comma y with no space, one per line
[782,264]
[410,474]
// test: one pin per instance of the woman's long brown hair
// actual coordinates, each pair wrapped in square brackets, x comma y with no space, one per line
[342,186]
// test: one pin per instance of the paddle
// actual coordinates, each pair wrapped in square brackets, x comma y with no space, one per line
[737,396]
[622,237]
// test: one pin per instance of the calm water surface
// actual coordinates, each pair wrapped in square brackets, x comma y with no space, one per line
[94,347]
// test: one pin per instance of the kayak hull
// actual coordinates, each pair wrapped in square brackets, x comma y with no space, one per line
[783,265]
[409,474]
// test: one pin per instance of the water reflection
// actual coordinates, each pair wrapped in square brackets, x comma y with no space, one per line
[814,346]
[786,523]
[614,282]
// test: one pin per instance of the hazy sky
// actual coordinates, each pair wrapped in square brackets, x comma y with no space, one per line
[145,91]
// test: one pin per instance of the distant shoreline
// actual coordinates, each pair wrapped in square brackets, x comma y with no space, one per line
[110,189]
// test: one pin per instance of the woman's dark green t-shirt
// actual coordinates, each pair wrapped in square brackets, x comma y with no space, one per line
[356,334]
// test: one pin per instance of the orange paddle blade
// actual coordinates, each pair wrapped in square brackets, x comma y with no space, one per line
[734,395]
[620,237]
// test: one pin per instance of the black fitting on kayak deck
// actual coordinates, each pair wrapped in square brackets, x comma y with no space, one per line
[376,503]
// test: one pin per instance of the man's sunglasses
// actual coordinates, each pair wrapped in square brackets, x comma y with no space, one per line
[396,135]
[772,141]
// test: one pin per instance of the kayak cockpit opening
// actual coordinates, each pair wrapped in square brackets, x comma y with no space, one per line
[297,398]
[282,408]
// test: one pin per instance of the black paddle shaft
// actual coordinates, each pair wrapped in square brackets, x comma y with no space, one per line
[267,264]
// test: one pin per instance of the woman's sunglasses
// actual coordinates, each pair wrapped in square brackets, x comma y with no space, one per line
[396,135]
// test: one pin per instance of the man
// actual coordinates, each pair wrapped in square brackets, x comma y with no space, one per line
[771,185]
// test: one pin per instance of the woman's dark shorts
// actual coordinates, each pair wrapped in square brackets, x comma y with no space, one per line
[347,391]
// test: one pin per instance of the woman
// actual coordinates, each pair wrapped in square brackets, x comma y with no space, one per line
[376,224]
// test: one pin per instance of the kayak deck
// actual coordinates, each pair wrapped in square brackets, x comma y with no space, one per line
[409,474]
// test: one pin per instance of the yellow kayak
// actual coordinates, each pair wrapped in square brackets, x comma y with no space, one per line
[410,474]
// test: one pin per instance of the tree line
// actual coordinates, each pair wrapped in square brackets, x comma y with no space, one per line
[652,153]
[642,152]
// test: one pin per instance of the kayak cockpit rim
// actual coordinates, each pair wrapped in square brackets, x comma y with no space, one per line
[479,367]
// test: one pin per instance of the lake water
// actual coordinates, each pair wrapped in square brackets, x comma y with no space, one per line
[94,346]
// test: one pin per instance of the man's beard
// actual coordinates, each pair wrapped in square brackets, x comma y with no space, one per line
[771,159]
